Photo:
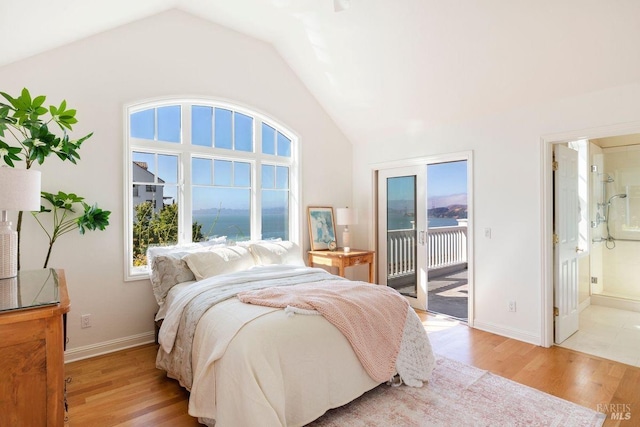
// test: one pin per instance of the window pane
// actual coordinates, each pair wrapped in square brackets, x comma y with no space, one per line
[222,172]
[201,173]
[143,167]
[275,214]
[201,125]
[169,123]
[282,177]
[143,124]
[268,139]
[268,176]
[168,169]
[222,212]
[223,128]
[284,146]
[154,223]
[243,126]
[242,174]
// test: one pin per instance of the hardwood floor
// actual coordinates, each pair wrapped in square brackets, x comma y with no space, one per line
[125,388]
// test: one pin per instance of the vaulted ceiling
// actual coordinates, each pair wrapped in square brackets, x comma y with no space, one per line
[383,67]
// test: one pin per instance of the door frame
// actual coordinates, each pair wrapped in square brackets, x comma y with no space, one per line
[546,223]
[424,161]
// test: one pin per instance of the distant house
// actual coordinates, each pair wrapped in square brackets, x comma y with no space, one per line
[150,192]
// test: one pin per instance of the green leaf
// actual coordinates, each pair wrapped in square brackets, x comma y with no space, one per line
[39,100]
[93,218]
[9,154]
[25,96]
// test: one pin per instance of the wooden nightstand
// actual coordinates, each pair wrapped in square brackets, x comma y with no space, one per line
[341,259]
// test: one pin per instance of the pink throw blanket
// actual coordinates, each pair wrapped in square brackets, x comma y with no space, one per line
[371,317]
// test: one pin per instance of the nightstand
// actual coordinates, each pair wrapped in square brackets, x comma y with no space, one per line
[341,259]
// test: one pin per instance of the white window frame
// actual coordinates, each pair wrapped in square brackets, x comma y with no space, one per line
[185,151]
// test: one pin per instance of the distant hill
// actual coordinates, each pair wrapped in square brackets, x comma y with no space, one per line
[451,211]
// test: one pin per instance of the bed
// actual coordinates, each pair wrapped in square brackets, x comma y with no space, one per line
[290,351]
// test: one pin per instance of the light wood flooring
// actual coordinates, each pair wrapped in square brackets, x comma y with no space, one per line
[125,388]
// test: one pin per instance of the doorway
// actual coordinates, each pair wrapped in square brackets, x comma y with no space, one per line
[593,237]
[423,232]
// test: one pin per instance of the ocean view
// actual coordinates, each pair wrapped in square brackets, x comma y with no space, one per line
[236,226]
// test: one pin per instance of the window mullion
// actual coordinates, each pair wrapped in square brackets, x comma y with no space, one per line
[185,189]
[256,200]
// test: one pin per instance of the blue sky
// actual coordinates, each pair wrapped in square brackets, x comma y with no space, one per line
[443,181]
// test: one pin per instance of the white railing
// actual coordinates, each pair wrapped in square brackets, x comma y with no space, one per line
[401,252]
[447,247]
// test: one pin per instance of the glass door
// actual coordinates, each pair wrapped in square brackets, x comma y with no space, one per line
[447,195]
[402,232]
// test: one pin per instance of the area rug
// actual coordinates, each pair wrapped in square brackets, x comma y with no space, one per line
[460,395]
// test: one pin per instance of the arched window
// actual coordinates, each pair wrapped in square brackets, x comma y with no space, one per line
[201,169]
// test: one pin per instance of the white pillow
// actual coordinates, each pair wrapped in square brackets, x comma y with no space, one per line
[178,251]
[267,253]
[216,261]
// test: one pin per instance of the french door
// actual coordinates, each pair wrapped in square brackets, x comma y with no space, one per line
[402,228]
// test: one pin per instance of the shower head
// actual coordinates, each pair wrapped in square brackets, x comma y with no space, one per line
[622,196]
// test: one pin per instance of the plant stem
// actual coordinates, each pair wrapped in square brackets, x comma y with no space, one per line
[46,260]
[18,229]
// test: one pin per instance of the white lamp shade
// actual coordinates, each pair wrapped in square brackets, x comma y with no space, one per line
[19,189]
[346,216]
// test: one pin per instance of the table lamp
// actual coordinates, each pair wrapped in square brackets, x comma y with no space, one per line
[346,217]
[19,191]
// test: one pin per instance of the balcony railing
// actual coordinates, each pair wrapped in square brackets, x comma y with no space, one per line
[447,247]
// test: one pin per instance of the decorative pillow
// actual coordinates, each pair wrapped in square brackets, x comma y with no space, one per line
[286,252]
[166,272]
[216,261]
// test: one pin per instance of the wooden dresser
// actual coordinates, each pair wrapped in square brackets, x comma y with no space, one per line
[33,309]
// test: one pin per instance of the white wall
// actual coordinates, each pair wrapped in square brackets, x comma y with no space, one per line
[172,53]
[507,193]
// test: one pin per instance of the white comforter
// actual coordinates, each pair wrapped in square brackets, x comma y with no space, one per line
[255,365]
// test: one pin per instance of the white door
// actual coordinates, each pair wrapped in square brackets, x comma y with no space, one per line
[402,228]
[566,248]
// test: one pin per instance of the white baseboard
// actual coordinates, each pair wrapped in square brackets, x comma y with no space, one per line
[584,304]
[94,350]
[508,332]
[613,302]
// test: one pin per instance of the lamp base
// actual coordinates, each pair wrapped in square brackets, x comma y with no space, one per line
[8,251]
[346,240]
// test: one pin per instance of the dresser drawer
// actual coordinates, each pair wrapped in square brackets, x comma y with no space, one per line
[361,259]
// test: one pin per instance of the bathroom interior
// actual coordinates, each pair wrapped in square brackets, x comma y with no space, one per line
[609,271]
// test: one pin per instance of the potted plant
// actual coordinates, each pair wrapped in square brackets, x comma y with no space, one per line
[25,135]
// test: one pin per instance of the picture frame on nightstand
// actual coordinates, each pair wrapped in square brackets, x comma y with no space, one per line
[322,227]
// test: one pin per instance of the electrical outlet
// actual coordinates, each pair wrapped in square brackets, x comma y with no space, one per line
[85,321]
[594,280]
[487,232]
[512,306]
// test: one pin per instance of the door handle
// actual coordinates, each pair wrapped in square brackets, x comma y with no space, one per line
[421,237]
[578,249]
